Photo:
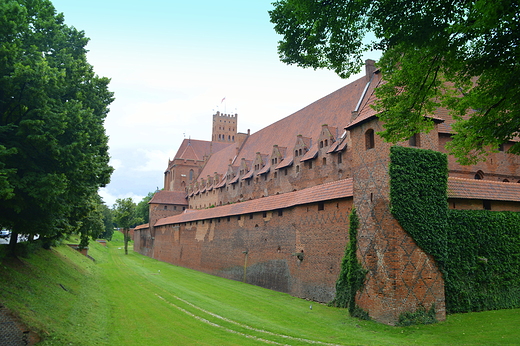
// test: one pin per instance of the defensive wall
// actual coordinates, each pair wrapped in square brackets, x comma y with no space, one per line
[290,243]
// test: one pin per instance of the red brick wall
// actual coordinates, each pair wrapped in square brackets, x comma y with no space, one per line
[272,244]
[401,277]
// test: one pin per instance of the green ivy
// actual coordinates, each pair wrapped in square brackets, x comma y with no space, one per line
[418,193]
[484,251]
[419,316]
[478,251]
[352,274]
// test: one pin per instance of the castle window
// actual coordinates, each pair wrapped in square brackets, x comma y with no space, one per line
[321,144]
[369,139]
[248,182]
[324,161]
[275,175]
[174,207]
[228,218]
[285,171]
[321,206]
[265,177]
[326,142]
[165,207]
[183,208]
[340,157]
[250,216]
[299,152]
[506,180]
[238,217]
[280,212]
[297,169]
[264,214]
[486,204]
[295,153]
[479,175]
[310,164]
[414,141]
[501,147]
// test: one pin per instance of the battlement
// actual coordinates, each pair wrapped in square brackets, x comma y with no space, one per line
[222,115]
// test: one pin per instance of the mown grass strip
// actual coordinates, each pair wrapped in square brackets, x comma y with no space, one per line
[114,301]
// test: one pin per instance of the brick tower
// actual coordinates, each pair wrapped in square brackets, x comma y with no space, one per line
[224,127]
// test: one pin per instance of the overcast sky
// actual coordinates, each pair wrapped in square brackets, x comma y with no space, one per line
[171,63]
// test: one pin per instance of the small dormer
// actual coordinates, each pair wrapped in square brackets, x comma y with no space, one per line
[259,162]
[230,172]
[301,146]
[277,155]
[327,136]
[216,178]
[244,167]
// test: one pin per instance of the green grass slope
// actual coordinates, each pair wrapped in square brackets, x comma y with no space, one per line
[134,300]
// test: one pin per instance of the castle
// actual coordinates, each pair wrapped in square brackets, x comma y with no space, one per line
[272,208]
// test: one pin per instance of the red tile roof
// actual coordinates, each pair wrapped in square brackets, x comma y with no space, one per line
[192,149]
[333,109]
[169,197]
[311,154]
[329,191]
[285,162]
[483,189]
[145,225]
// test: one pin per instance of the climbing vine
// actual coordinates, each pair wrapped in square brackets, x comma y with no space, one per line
[478,251]
[352,274]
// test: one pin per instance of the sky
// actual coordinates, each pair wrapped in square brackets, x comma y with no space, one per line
[171,63]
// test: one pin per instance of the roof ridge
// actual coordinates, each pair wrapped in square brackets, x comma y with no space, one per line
[482,180]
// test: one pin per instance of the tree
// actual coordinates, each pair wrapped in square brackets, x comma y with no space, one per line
[108,222]
[53,148]
[143,209]
[126,217]
[434,52]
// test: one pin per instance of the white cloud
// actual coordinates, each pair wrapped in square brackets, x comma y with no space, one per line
[154,160]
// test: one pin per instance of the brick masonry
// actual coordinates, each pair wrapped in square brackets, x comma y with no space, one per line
[298,252]
[401,277]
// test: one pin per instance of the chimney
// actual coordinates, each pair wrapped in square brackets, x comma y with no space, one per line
[354,115]
[370,68]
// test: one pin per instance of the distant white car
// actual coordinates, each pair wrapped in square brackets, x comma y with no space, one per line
[4,233]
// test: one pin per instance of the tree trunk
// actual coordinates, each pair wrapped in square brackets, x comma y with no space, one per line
[12,244]
[125,232]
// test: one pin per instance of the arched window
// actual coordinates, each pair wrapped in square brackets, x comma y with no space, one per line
[479,175]
[191,174]
[324,161]
[369,139]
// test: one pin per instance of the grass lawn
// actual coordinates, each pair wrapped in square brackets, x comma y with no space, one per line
[134,300]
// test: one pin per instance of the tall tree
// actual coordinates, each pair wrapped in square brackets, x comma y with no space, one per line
[434,52]
[125,216]
[143,209]
[108,222]
[53,146]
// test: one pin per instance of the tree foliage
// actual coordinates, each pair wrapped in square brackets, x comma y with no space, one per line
[125,216]
[143,209]
[434,52]
[53,147]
